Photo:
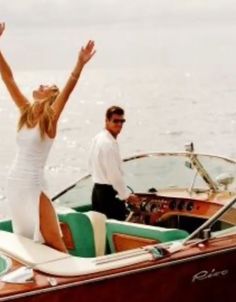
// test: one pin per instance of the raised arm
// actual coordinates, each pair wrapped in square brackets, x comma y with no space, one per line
[7,77]
[86,53]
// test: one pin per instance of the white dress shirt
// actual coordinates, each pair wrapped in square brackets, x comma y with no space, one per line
[105,163]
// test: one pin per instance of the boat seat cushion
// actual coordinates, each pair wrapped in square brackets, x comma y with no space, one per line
[27,250]
[50,261]
[88,232]
[159,234]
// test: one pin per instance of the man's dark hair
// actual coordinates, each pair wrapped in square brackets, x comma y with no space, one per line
[114,110]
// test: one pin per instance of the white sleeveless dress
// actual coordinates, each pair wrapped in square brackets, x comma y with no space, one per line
[25,182]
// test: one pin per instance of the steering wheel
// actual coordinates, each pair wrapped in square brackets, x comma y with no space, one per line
[131,190]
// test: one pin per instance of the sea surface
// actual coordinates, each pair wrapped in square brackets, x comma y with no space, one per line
[176,84]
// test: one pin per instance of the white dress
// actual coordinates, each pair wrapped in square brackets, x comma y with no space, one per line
[25,182]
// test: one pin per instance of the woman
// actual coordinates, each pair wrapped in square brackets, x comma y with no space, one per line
[33,215]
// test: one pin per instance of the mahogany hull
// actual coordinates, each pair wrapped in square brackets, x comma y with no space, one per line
[172,280]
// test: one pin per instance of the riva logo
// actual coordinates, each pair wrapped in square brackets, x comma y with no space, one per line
[203,275]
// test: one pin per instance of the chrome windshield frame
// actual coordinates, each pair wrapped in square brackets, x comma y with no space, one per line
[150,154]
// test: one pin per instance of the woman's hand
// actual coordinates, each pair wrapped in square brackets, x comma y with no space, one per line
[2,28]
[87,52]
[85,55]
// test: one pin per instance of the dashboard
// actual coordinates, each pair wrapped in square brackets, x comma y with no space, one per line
[154,208]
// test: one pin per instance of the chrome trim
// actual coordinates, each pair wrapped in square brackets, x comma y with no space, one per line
[203,172]
[181,153]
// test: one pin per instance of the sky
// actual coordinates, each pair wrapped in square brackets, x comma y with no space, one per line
[62,13]
[43,28]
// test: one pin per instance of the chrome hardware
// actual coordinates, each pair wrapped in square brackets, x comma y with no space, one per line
[225,180]
[21,275]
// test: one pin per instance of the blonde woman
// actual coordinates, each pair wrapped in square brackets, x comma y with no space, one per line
[33,215]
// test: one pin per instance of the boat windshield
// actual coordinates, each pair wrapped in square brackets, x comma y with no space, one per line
[163,171]
[160,171]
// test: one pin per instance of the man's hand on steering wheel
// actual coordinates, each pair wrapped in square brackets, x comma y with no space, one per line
[133,201]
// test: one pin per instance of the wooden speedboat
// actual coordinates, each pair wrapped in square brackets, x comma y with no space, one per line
[178,244]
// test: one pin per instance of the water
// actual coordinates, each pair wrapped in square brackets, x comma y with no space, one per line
[176,84]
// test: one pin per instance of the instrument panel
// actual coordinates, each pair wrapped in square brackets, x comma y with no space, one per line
[157,208]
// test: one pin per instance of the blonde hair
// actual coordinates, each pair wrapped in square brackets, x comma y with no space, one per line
[44,118]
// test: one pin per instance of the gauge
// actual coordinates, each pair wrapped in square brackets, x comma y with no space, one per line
[181,205]
[190,206]
[172,205]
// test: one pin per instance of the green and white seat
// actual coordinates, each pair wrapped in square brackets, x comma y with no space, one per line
[159,234]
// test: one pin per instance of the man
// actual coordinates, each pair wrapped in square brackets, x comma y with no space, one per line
[110,193]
